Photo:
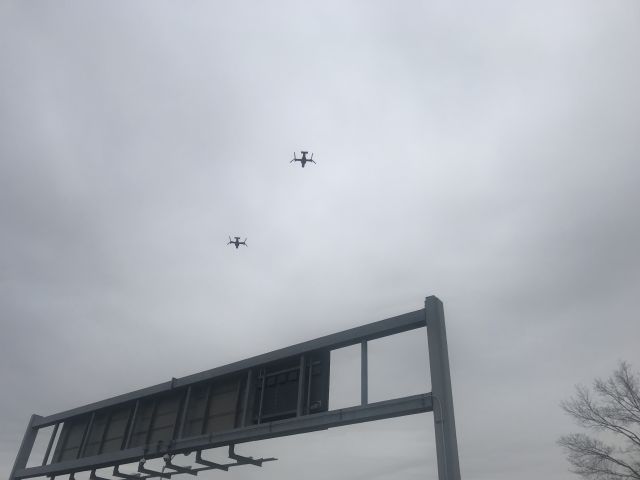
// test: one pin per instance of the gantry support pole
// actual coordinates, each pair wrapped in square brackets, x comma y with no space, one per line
[443,417]
[26,446]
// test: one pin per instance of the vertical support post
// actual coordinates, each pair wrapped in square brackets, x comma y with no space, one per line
[301,384]
[107,426]
[61,444]
[25,447]
[309,370]
[443,417]
[86,435]
[262,387]
[185,408]
[50,444]
[207,409]
[245,401]
[131,425]
[152,421]
[364,374]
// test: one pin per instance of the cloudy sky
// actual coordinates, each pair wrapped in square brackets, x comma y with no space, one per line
[484,152]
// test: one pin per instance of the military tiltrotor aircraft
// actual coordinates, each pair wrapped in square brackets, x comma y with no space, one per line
[302,160]
[237,242]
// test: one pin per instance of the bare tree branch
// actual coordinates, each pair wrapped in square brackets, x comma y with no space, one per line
[630,383]
[591,456]
[599,416]
[621,390]
[615,409]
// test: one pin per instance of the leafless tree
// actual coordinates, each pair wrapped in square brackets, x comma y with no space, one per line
[614,408]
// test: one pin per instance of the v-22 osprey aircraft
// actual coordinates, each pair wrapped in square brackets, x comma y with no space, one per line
[302,160]
[237,242]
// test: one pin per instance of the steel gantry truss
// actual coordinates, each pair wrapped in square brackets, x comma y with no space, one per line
[169,409]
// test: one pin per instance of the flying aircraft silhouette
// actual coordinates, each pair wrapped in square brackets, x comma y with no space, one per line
[302,160]
[237,242]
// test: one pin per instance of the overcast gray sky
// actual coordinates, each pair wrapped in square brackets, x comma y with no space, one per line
[484,152]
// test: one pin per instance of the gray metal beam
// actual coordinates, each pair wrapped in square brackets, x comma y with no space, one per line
[183,417]
[308,423]
[26,446]
[301,385]
[364,374]
[50,444]
[245,401]
[443,417]
[352,336]
[131,425]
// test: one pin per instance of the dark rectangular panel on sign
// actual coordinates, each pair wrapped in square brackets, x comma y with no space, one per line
[278,388]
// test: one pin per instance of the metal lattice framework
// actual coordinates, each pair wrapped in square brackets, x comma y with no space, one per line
[284,392]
